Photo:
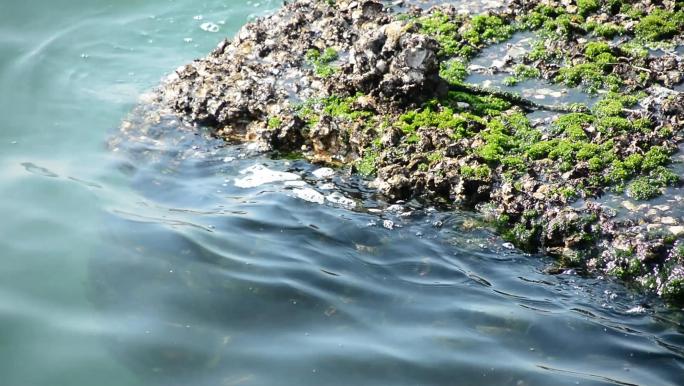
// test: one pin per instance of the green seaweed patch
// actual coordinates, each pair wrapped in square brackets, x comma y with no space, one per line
[454,71]
[321,61]
[550,21]
[523,235]
[335,106]
[434,116]
[487,29]
[274,122]
[478,172]
[435,157]
[499,141]
[643,189]
[341,107]
[574,125]
[505,139]
[539,51]
[629,266]
[482,105]
[592,76]
[651,186]
[522,72]
[465,37]
[367,165]
[587,7]
[604,30]
[659,25]
[673,290]
[307,112]
[634,49]
[442,28]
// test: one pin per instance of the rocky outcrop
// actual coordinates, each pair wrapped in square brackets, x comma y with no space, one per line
[352,83]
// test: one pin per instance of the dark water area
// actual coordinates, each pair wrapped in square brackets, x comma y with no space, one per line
[166,257]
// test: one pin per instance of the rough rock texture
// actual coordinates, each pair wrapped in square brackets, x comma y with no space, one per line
[352,83]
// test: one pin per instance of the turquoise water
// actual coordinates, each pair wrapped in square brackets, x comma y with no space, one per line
[155,262]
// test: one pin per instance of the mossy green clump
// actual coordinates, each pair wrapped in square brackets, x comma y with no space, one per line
[630,266]
[505,139]
[539,51]
[439,117]
[442,28]
[522,72]
[307,112]
[655,157]
[367,165]
[595,48]
[573,125]
[540,15]
[274,122]
[673,290]
[482,105]
[480,172]
[610,119]
[523,235]
[586,7]
[550,21]
[591,76]
[464,37]
[608,107]
[651,186]
[435,157]
[659,25]
[336,106]
[453,71]
[487,29]
[321,61]
[642,188]
[605,30]
[634,49]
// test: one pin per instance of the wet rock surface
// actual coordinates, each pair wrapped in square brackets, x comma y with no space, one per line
[379,87]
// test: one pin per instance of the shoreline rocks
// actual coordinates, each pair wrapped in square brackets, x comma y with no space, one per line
[351,83]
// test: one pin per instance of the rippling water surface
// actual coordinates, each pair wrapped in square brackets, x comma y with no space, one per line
[171,259]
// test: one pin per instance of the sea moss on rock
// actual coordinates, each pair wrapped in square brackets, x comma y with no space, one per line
[353,83]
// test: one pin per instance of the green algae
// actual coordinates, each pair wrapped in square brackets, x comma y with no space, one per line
[443,118]
[589,139]
[508,145]
[642,188]
[605,30]
[522,72]
[274,122]
[334,106]
[487,29]
[453,71]
[659,25]
[586,7]
[573,125]
[464,37]
[321,61]
[591,76]
[480,172]
[442,28]
[367,165]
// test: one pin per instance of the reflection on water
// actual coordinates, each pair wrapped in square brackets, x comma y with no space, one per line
[169,258]
[216,282]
